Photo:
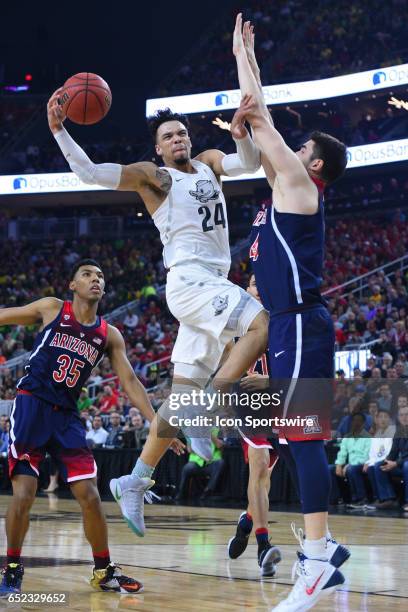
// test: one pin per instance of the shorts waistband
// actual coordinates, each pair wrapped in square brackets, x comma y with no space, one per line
[23,392]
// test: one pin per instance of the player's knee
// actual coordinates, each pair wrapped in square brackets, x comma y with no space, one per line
[22,501]
[258,466]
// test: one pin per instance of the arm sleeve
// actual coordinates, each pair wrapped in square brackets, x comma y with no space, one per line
[247,159]
[106,175]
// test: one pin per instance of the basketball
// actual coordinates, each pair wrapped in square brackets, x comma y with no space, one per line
[86,98]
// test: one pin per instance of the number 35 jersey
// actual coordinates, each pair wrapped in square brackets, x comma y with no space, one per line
[192,220]
[64,355]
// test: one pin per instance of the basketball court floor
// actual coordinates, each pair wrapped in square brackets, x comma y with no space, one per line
[183,564]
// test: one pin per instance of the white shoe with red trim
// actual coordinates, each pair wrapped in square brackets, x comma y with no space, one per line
[316,579]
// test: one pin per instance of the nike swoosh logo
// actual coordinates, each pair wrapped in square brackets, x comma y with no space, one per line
[280,353]
[65,325]
[312,589]
[178,180]
[117,494]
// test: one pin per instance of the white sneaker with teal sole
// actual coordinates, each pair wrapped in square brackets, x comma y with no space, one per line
[130,492]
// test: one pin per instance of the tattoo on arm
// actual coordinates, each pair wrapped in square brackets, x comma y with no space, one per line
[165,180]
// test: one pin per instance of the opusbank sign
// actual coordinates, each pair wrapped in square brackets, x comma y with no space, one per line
[365,155]
[304,91]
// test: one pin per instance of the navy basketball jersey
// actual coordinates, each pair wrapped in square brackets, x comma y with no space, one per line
[64,355]
[287,252]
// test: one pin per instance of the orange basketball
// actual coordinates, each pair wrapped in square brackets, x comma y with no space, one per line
[86,98]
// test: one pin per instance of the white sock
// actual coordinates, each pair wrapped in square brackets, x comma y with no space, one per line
[315,549]
[328,535]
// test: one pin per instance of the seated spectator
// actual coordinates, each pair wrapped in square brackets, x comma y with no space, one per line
[115,431]
[97,435]
[384,399]
[84,401]
[380,446]
[198,467]
[353,454]
[354,406]
[139,431]
[4,433]
[395,464]
[131,320]
[108,401]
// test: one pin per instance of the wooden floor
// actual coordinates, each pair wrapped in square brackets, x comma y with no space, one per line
[183,564]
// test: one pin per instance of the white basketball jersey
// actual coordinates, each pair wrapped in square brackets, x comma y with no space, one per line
[192,220]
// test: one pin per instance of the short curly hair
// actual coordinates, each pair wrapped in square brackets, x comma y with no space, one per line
[161,116]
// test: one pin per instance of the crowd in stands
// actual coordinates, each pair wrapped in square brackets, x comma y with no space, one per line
[299,41]
[355,122]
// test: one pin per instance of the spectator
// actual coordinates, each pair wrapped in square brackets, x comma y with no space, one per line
[380,447]
[384,399]
[354,406]
[115,431]
[395,464]
[353,454]
[108,401]
[198,467]
[139,430]
[84,401]
[131,320]
[4,433]
[97,436]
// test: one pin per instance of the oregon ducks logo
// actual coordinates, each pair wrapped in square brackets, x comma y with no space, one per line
[204,191]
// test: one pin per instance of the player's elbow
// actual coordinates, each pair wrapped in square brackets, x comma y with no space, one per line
[85,173]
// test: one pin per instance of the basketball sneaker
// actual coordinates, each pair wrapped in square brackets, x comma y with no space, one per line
[112,579]
[130,492]
[238,544]
[316,578]
[336,553]
[267,560]
[12,577]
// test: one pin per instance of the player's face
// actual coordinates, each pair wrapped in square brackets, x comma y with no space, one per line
[252,289]
[88,283]
[173,143]
[306,155]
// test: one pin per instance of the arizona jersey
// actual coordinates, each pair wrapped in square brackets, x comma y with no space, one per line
[192,220]
[287,252]
[64,355]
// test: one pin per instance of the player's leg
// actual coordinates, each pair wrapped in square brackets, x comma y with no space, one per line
[17,523]
[261,464]
[252,344]
[106,575]
[28,434]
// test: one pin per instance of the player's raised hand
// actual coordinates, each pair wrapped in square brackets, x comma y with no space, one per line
[56,115]
[248,34]
[178,447]
[237,39]
[237,127]
[223,125]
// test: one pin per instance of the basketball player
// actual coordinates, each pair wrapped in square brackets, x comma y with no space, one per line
[288,238]
[186,203]
[262,456]
[72,341]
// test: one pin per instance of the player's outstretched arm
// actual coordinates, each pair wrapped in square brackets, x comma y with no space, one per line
[42,311]
[134,177]
[131,385]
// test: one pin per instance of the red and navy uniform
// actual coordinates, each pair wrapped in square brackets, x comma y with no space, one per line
[278,448]
[287,255]
[44,416]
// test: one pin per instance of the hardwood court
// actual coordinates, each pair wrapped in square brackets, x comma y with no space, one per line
[183,564]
